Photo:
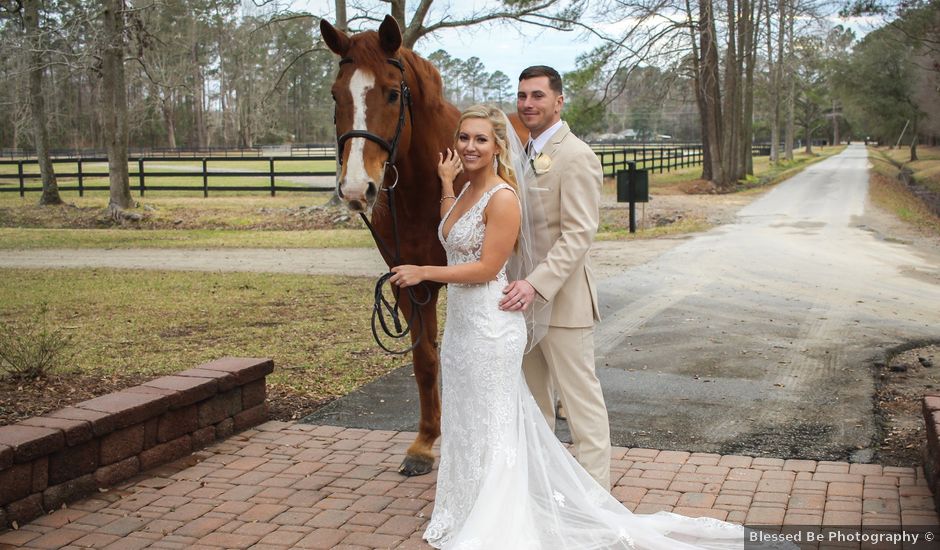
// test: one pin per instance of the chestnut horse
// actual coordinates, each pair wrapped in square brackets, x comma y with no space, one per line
[391,122]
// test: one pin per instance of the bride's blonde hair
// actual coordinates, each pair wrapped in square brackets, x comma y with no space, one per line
[499,121]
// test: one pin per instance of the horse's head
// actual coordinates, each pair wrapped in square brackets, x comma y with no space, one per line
[372,105]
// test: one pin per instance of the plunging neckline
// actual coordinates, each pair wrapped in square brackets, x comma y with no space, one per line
[474,205]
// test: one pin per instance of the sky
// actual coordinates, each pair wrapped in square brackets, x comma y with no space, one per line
[504,48]
[512,48]
[499,46]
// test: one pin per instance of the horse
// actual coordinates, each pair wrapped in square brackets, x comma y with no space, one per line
[392,121]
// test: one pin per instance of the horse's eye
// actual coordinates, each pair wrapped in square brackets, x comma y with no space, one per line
[393,96]
[333,95]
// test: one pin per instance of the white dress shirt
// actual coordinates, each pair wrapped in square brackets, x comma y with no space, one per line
[536,145]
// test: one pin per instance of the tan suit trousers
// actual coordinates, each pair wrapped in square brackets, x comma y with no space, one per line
[564,361]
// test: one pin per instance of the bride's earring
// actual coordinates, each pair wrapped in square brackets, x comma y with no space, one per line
[496,163]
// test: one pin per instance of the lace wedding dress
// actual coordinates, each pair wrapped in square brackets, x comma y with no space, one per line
[504,480]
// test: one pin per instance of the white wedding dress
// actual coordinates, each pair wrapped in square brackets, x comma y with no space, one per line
[504,480]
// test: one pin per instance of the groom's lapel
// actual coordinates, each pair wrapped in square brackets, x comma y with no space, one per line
[556,140]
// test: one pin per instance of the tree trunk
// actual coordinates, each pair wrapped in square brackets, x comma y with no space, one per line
[807,130]
[37,104]
[199,89]
[914,140]
[711,92]
[791,89]
[168,113]
[342,23]
[114,107]
[224,85]
[398,12]
[169,119]
[775,72]
[730,105]
[750,52]
[700,98]
[836,138]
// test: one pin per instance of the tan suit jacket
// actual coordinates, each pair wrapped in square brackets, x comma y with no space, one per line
[570,192]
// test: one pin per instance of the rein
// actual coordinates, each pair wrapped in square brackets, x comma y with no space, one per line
[383,309]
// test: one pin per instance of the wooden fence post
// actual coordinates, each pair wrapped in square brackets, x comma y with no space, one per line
[140,174]
[205,179]
[22,183]
[271,170]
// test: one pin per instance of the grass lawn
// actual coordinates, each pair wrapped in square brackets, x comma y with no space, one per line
[891,194]
[133,325]
[926,169]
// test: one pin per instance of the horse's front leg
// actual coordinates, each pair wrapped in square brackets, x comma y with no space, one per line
[420,457]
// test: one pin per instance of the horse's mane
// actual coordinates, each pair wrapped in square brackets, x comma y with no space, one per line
[431,92]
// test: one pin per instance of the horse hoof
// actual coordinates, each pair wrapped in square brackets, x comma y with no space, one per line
[416,466]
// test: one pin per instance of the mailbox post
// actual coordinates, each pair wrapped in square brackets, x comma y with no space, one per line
[632,187]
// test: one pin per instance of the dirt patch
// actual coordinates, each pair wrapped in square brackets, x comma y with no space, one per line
[901,384]
[699,187]
[671,208]
[22,399]
[265,218]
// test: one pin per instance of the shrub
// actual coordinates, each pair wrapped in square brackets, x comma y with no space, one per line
[31,348]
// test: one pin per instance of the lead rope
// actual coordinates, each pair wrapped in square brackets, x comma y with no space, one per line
[382,308]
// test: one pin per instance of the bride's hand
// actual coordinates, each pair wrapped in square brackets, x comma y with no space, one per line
[448,167]
[407,275]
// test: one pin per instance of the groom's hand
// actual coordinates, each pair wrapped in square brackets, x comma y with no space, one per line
[518,296]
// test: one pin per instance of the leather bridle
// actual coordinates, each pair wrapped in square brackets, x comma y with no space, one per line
[381,306]
[404,104]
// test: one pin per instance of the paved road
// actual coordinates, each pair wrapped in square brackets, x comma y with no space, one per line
[758,337]
[362,262]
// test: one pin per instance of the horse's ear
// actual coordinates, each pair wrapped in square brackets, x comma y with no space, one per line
[390,35]
[335,39]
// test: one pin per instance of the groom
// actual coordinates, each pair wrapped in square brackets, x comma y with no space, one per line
[568,172]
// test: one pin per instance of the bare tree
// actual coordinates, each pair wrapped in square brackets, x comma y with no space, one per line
[710,94]
[37,102]
[114,105]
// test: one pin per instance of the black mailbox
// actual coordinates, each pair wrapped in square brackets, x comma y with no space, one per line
[633,185]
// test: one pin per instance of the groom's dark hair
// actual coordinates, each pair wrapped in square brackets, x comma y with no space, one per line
[535,71]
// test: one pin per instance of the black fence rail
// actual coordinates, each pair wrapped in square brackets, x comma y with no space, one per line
[304,150]
[613,158]
[25,182]
[657,158]
[261,151]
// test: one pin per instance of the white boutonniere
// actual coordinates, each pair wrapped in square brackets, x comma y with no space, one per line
[542,163]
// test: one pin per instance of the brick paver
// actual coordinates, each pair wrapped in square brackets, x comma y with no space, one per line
[287,485]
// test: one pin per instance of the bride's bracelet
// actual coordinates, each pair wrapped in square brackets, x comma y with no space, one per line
[445,197]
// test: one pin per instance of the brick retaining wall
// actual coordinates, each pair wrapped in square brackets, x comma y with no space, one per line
[48,460]
[931,406]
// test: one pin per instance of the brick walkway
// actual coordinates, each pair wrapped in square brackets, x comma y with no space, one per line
[286,485]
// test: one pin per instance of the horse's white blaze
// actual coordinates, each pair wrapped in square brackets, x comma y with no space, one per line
[356,177]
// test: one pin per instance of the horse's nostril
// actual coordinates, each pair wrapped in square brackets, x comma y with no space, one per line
[371,192]
[339,191]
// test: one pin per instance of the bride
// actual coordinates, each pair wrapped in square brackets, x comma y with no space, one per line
[504,479]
